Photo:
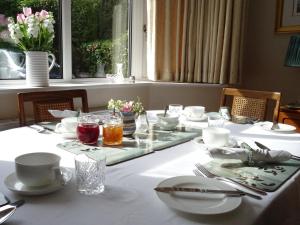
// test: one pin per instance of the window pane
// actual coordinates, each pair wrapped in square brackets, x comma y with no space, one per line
[12,60]
[99,38]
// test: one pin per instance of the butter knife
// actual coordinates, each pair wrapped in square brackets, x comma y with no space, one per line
[210,191]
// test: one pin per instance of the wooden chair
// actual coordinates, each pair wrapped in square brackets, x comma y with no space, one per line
[55,100]
[251,103]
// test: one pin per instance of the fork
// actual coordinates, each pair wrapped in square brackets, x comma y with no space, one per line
[197,173]
[208,174]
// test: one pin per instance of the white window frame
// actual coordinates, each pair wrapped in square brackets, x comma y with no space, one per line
[138,47]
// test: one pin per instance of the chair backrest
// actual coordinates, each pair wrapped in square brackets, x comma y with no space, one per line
[43,101]
[251,103]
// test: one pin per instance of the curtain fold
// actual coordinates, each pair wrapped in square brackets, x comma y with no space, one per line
[195,40]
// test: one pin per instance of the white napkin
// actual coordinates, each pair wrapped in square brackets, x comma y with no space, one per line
[250,155]
[63,114]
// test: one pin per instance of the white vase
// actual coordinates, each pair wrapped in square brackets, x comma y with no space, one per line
[37,68]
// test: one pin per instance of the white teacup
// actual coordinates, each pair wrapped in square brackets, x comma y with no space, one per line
[37,169]
[194,111]
[168,122]
[215,136]
[69,124]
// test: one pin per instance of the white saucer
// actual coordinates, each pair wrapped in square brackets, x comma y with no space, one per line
[197,119]
[198,203]
[232,142]
[65,134]
[13,184]
[282,127]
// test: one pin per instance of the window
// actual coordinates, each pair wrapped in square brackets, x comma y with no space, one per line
[12,60]
[99,37]
[92,38]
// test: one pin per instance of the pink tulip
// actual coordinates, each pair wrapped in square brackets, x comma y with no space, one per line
[44,14]
[27,11]
[20,18]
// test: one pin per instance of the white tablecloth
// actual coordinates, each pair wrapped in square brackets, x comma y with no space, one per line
[129,198]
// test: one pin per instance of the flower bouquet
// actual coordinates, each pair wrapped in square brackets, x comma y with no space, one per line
[129,111]
[123,106]
[34,34]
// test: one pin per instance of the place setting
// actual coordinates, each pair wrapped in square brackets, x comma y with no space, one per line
[244,161]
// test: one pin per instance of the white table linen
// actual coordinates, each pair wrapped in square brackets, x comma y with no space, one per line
[129,197]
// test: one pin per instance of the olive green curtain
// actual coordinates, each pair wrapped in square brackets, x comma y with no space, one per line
[195,40]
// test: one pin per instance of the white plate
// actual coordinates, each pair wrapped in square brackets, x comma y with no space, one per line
[282,127]
[13,184]
[198,203]
[197,119]
[231,142]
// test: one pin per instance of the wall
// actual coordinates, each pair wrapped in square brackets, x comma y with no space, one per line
[264,54]
[153,96]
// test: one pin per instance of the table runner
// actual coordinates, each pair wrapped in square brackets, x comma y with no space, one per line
[130,149]
[267,177]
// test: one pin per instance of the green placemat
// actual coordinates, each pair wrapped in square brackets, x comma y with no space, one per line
[267,177]
[130,149]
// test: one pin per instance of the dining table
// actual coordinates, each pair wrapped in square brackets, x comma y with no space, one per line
[129,197]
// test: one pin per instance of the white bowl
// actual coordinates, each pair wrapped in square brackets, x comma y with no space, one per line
[168,121]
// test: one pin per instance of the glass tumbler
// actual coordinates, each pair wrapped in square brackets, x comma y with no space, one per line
[112,131]
[142,134]
[88,129]
[90,174]
[215,119]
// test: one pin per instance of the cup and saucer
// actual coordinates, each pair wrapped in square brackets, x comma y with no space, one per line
[215,137]
[67,127]
[195,113]
[37,174]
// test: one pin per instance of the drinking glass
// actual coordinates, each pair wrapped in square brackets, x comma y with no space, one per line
[90,174]
[175,109]
[215,119]
[112,131]
[141,134]
[225,112]
[88,129]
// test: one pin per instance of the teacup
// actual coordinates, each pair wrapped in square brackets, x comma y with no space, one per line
[37,169]
[194,111]
[69,124]
[167,122]
[215,136]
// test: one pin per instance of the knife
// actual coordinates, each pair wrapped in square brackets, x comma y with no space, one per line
[210,191]
[260,145]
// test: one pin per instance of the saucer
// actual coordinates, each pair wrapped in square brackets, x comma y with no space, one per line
[64,133]
[232,143]
[14,185]
[197,119]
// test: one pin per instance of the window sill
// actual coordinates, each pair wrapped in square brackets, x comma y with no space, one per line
[93,83]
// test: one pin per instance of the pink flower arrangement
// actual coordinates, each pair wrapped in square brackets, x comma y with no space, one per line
[32,32]
[126,106]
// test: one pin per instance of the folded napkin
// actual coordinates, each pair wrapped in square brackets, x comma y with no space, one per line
[247,154]
[63,114]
